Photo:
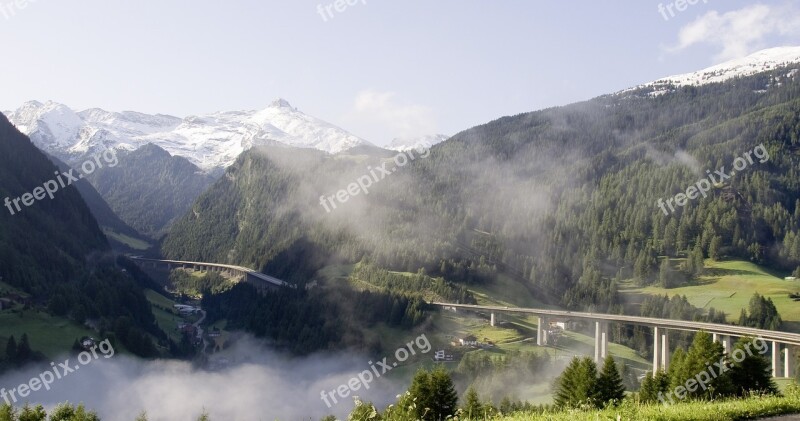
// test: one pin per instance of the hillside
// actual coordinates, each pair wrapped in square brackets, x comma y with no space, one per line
[54,254]
[579,187]
[149,188]
[119,234]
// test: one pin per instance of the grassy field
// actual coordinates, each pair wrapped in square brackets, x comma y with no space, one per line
[506,292]
[728,286]
[133,243]
[47,334]
[166,317]
[736,409]
[6,288]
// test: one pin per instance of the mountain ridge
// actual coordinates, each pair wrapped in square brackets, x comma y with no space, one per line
[210,141]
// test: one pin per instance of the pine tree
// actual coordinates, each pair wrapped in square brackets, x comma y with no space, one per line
[11,349]
[698,259]
[577,384]
[648,392]
[610,389]
[665,274]
[753,373]
[66,412]
[743,318]
[472,404]
[444,399]
[703,353]
[506,406]
[24,353]
[37,413]
[714,248]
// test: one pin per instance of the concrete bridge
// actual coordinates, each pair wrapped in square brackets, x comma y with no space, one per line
[782,343]
[259,280]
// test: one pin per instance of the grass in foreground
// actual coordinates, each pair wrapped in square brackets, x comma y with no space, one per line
[733,409]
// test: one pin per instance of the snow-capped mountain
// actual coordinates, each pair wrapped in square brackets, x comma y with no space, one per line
[760,61]
[209,141]
[419,143]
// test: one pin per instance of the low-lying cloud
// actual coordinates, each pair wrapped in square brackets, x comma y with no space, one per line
[255,384]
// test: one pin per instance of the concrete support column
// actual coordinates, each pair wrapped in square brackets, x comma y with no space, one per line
[775,358]
[665,350]
[788,362]
[656,348]
[604,342]
[540,332]
[491,319]
[726,344]
[546,331]
[600,341]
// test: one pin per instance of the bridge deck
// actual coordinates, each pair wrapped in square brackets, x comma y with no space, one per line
[732,330]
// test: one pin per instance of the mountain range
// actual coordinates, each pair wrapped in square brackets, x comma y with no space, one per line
[211,142]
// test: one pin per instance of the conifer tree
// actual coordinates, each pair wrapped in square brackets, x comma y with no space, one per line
[753,373]
[444,398]
[577,384]
[473,408]
[610,389]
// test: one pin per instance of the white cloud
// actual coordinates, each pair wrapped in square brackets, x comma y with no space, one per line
[382,112]
[740,32]
[255,384]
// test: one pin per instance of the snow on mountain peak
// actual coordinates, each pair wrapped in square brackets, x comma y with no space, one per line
[280,103]
[209,141]
[757,62]
[402,144]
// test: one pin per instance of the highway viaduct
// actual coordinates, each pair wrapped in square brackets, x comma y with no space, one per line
[261,281]
[780,341]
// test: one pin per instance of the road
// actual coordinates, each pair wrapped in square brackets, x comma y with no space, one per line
[243,269]
[200,329]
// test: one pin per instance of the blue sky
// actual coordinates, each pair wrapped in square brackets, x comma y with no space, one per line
[379,68]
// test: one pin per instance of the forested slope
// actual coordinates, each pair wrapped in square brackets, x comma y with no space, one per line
[563,200]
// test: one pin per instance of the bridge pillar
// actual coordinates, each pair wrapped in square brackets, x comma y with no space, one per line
[656,349]
[776,349]
[665,350]
[788,361]
[541,339]
[600,341]
[604,342]
[492,319]
[724,339]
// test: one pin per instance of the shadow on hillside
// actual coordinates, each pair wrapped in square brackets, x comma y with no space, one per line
[793,327]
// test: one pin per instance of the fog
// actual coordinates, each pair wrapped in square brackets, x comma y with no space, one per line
[256,384]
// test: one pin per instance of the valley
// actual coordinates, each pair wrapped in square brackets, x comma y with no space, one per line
[595,240]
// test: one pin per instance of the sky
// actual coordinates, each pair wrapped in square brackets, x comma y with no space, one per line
[378,68]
